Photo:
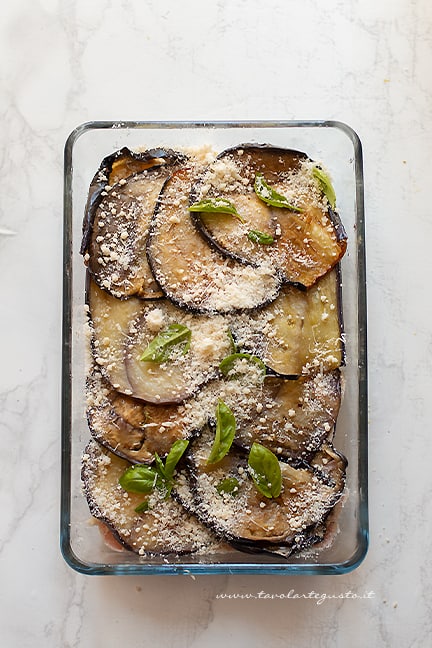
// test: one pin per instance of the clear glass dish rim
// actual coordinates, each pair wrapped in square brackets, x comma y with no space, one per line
[184,567]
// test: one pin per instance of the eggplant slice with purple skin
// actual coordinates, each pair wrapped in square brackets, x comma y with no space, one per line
[118,217]
[123,329]
[118,166]
[302,243]
[131,428]
[164,528]
[247,518]
[295,416]
[300,332]
[192,274]
[179,376]
[110,320]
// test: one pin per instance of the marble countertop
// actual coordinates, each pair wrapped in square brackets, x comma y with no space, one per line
[365,63]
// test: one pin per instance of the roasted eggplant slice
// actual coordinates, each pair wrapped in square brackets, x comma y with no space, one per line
[300,332]
[164,528]
[303,239]
[132,429]
[116,252]
[245,516]
[117,167]
[173,377]
[110,319]
[295,416]
[190,273]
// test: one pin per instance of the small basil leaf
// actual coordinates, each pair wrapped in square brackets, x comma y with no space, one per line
[139,479]
[229,485]
[159,467]
[175,454]
[144,506]
[265,470]
[326,185]
[160,348]
[234,347]
[227,364]
[270,196]
[164,483]
[216,206]
[260,237]
[225,432]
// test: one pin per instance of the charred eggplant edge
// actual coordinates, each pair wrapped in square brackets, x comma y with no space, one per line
[333,214]
[97,185]
[96,513]
[261,546]
[177,301]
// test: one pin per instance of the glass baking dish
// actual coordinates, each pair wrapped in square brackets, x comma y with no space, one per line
[338,147]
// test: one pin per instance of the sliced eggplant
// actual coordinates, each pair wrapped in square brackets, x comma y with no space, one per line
[190,273]
[300,332]
[132,429]
[164,528]
[158,376]
[110,320]
[245,516]
[116,167]
[116,252]
[331,465]
[295,416]
[177,377]
[302,242]
[291,417]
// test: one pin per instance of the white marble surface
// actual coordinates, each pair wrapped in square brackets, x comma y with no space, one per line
[360,61]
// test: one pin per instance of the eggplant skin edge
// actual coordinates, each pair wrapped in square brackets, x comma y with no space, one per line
[96,513]
[97,185]
[340,232]
[176,300]
[264,546]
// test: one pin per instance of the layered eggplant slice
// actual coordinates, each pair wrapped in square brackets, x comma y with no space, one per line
[164,527]
[110,320]
[300,332]
[192,274]
[293,417]
[187,351]
[284,218]
[117,220]
[124,330]
[214,301]
[244,515]
[131,428]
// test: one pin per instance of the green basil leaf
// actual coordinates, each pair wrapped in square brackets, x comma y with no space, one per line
[265,470]
[174,455]
[139,479]
[160,348]
[225,432]
[216,206]
[234,347]
[159,467]
[144,506]
[270,196]
[229,485]
[326,185]
[227,364]
[144,479]
[164,484]
[260,237]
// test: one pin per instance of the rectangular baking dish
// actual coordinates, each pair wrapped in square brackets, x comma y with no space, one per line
[338,147]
